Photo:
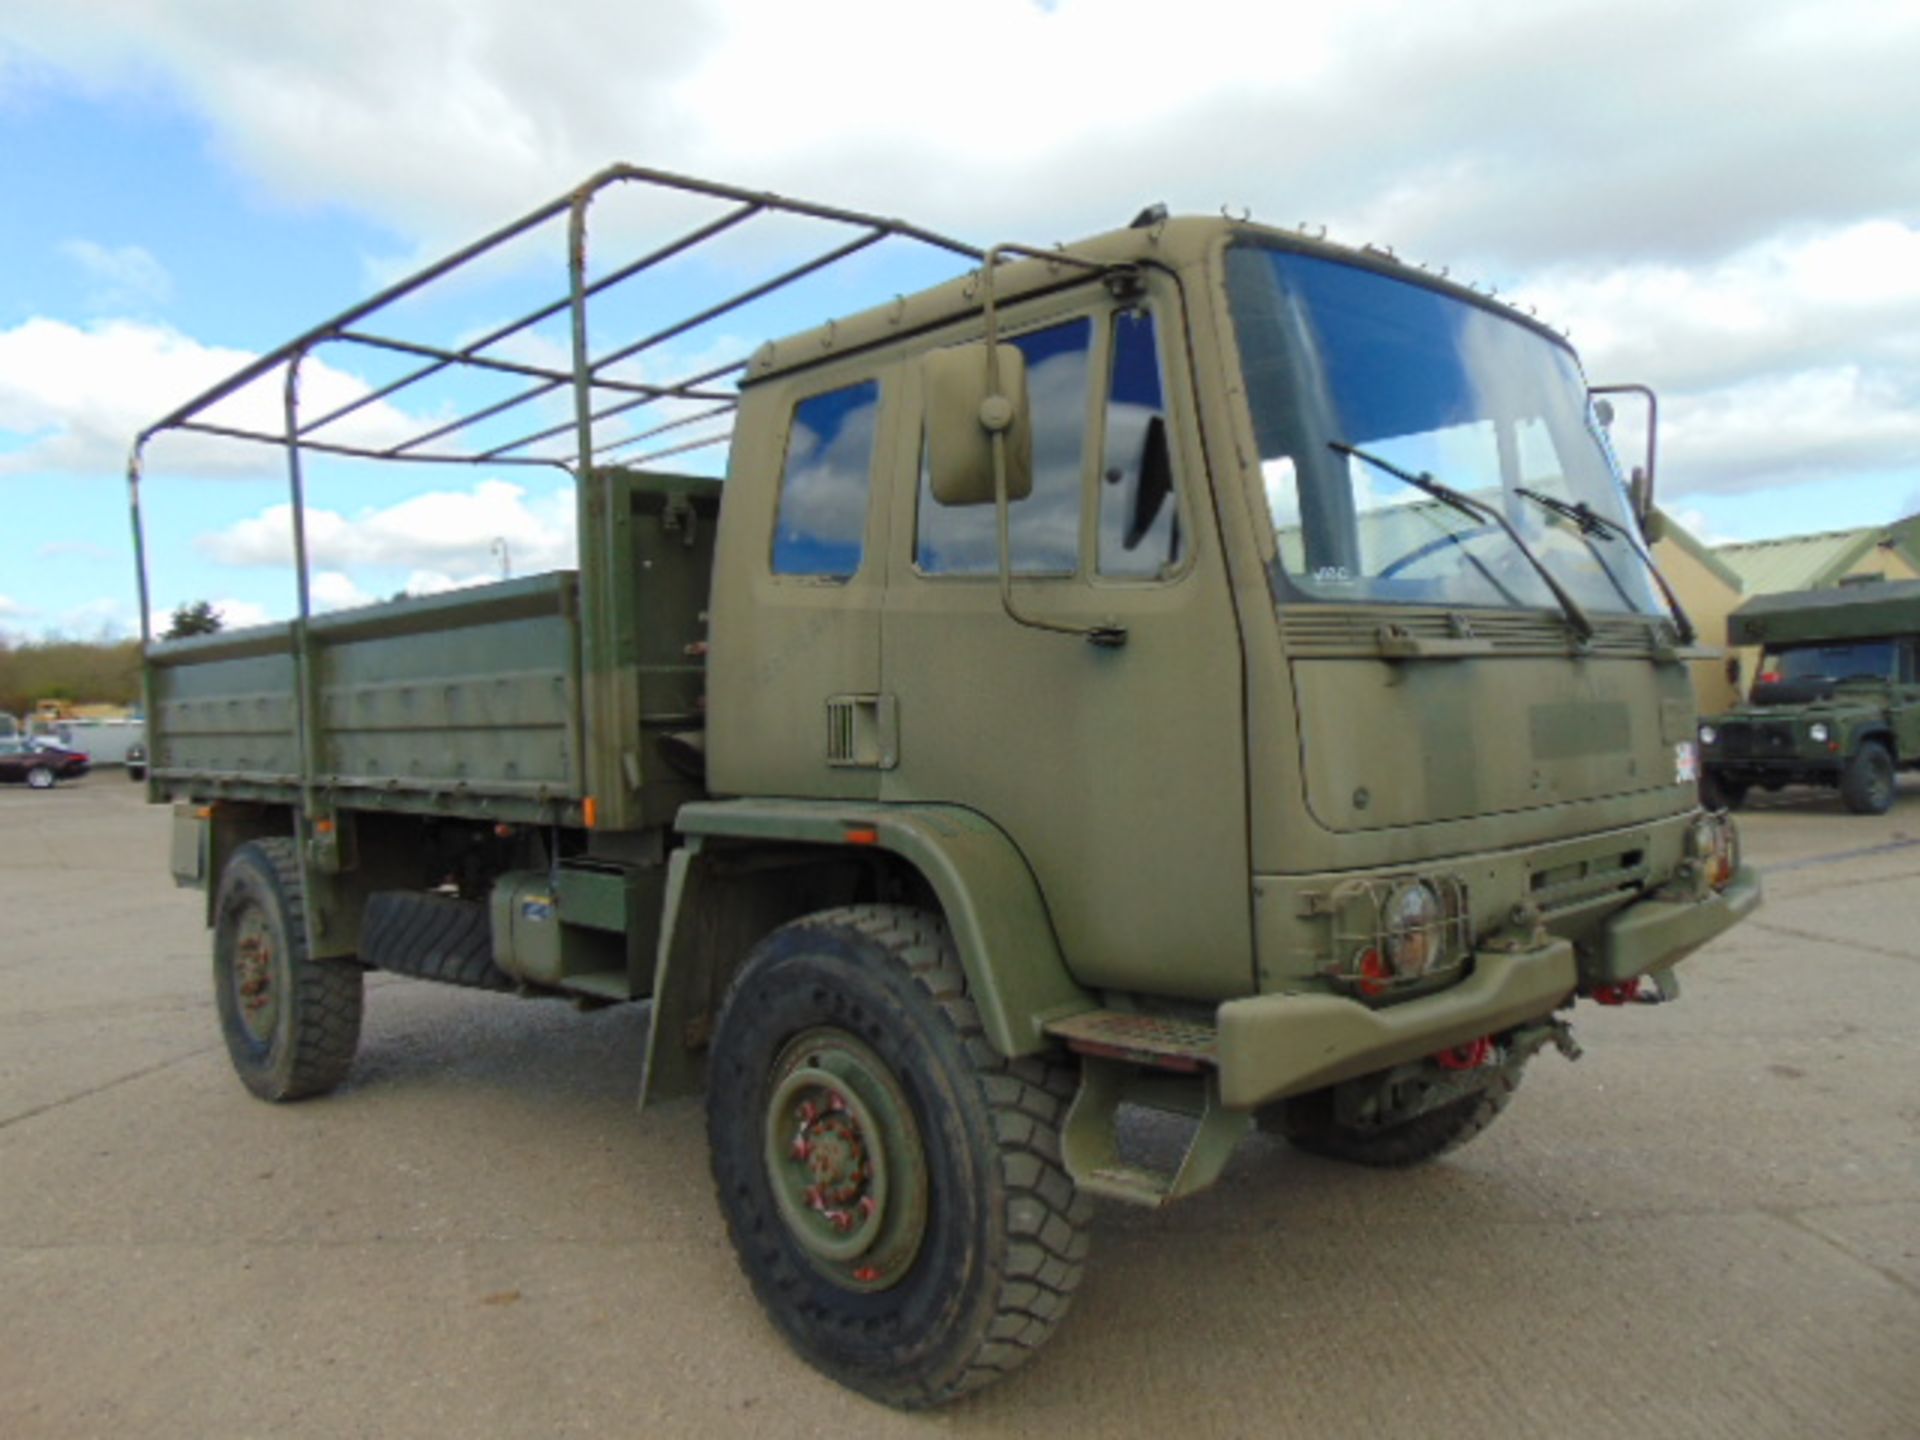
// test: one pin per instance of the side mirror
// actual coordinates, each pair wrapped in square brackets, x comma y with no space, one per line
[959,444]
[1640,482]
[1640,493]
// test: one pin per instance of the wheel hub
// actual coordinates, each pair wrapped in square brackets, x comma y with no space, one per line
[253,978]
[845,1160]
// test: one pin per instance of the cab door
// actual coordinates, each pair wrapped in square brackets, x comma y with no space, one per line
[1118,770]
[799,574]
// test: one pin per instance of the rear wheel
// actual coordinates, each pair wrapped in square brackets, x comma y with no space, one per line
[41,777]
[893,1186]
[1867,783]
[291,1022]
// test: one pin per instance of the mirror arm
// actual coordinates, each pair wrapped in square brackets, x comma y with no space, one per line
[1645,392]
[996,417]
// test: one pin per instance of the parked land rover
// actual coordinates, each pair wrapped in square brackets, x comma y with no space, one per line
[1835,700]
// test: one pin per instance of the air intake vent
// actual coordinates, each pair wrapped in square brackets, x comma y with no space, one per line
[862,731]
[840,731]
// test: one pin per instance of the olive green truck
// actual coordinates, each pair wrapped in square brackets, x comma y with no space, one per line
[1202,669]
[1835,702]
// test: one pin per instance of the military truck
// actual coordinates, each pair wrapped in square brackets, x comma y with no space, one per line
[1202,669]
[1835,700]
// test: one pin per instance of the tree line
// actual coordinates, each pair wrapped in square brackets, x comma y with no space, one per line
[84,672]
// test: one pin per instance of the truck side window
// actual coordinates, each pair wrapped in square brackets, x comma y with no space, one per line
[822,519]
[1139,521]
[1043,530]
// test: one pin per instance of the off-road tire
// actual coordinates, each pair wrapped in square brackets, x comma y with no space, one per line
[1308,1124]
[315,1026]
[41,777]
[434,937]
[1003,1242]
[1867,784]
[1719,793]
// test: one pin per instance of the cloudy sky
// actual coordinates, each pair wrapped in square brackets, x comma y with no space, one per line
[1719,199]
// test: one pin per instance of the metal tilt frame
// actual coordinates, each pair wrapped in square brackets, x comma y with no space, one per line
[598,395]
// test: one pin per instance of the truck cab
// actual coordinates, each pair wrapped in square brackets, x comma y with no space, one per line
[1264,718]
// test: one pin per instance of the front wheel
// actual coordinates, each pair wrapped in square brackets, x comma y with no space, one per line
[1310,1123]
[1867,784]
[41,777]
[1717,792]
[291,1022]
[892,1185]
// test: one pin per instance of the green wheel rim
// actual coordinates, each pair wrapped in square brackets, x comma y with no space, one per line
[256,999]
[845,1160]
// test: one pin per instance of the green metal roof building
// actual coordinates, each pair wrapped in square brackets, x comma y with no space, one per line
[1815,562]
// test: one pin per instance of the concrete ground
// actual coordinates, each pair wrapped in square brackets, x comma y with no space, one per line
[1710,1226]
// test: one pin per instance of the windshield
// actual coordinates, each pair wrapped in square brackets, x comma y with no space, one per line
[1338,357]
[1862,660]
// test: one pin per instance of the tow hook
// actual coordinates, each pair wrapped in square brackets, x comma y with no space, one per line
[1523,1044]
[1561,1033]
[1655,988]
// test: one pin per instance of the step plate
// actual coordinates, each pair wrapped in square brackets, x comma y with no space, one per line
[1160,1041]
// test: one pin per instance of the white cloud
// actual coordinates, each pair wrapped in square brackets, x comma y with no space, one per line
[1720,197]
[1823,296]
[1701,527]
[335,590]
[446,535]
[238,614]
[12,609]
[1793,428]
[81,394]
[1597,127]
[128,276]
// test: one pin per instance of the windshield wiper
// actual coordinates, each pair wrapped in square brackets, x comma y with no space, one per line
[1578,512]
[1467,505]
[1593,527]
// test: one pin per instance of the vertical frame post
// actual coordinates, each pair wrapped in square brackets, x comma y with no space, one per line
[610,686]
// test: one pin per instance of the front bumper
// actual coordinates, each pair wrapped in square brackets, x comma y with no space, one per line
[1273,1046]
[1657,933]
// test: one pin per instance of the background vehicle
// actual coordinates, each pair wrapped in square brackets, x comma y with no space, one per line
[109,742]
[1053,711]
[38,763]
[1835,701]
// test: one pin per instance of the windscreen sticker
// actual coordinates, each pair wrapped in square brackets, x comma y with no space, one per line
[1686,763]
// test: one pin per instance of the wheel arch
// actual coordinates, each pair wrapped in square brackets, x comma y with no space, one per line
[207,836]
[1881,734]
[720,902]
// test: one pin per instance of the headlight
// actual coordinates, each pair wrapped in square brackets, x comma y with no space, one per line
[1819,732]
[1708,734]
[1407,930]
[1714,845]
[1413,921]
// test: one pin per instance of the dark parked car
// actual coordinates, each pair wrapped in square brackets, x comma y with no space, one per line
[40,763]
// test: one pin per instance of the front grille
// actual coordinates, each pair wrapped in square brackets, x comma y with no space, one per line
[1755,740]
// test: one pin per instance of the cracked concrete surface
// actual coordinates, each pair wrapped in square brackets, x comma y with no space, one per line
[1710,1226]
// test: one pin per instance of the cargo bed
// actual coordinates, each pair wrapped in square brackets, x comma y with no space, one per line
[465,704]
